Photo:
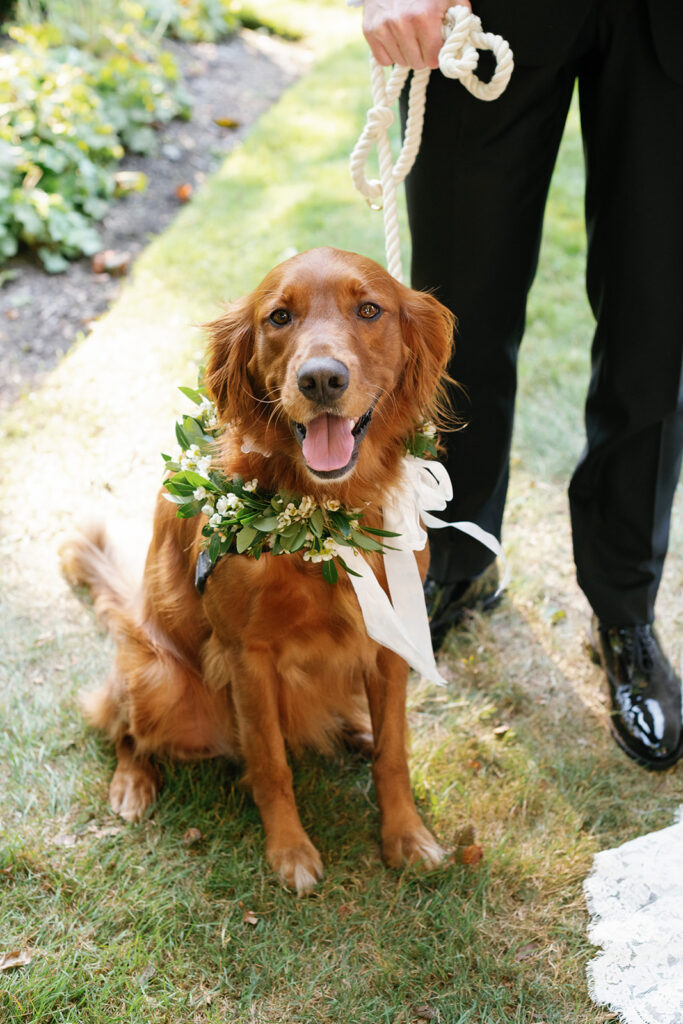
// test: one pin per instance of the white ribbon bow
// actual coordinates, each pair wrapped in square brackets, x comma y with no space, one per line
[401,623]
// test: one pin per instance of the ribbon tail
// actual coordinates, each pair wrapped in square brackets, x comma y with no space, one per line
[483,536]
[383,623]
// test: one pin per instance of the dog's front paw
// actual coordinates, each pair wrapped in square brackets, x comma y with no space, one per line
[133,789]
[299,866]
[412,846]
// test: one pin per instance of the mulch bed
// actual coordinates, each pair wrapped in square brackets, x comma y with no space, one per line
[41,315]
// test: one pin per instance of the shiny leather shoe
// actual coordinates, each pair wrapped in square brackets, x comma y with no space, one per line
[448,603]
[645,694]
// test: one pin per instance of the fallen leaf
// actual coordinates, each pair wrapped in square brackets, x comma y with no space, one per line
[500,730]
[129,181]
[193,835]
[470,855]
[69,839]
[474,765]
[226,122]
[249,918]
[12,314]
[17,958]
[147,974]
[426,1013]
[466,836]
[184,192]
[66,839]
[526,951]
[44,638]
[111,261]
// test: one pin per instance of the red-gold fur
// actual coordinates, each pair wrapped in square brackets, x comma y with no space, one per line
[271,656]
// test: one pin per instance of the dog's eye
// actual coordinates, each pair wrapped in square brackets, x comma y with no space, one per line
[281,317]
[368,311]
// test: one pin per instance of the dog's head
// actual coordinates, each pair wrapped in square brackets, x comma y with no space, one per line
[330,363]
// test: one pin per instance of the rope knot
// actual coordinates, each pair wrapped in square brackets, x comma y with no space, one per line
[380,119]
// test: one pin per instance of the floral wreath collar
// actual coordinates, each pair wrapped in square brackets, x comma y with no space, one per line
[245,519]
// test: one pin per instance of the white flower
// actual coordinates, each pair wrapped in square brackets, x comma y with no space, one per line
[200,493]
[227,502]
[251,485]
[207,510]
[307,506]
[204,465]
[215,520]
[332,505]
[429,430]
[207,413]
[313,556]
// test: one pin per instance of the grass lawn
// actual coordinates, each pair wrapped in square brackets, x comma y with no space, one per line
[154,923]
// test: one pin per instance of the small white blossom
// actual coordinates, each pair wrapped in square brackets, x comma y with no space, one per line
[207,413]
[251,485]
[307,506]
[215,520]
[207,510]
[332,505]
[312,556]
[204,466]
[429,430]
[200,493]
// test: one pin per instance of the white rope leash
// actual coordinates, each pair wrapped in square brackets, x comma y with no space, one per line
[458,58]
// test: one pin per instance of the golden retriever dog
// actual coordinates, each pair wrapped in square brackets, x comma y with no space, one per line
[319,377]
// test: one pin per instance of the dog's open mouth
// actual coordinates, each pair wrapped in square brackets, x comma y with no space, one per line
[330,444]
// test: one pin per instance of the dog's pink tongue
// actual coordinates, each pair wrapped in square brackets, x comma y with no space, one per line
[328,443]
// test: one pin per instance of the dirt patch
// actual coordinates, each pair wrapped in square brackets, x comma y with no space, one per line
[41,314]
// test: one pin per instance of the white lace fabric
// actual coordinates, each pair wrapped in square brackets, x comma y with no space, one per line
[635,897]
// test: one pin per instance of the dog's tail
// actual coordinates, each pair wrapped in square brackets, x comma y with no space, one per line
[89,560]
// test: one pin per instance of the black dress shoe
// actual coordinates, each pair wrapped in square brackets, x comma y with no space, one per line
[645,694]
[448,603]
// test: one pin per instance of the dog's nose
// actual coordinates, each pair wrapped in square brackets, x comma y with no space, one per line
[323,379]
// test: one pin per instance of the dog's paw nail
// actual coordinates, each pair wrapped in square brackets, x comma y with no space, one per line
[418,847]
[299,868]
[131,793]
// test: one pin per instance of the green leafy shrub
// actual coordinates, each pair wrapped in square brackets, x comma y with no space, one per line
[67,113]
[206,20]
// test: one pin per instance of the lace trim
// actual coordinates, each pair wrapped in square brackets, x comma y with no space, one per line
[635,897]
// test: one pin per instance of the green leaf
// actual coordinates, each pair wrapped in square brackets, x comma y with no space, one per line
[380,533]
[266,524]
[351,572]
[193,508]
[244,538]
[181,437]
[192,394]
[214,547]
[317,522]
[195,432]
[174,485]
[341,523]
[299,540]
[330,574]
[199,481]
[366,543]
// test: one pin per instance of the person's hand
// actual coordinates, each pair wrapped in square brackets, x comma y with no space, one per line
[406,32]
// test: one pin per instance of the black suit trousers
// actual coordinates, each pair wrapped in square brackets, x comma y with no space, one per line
[476,198]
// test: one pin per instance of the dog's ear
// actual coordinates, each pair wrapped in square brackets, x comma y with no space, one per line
[231,340]
[428,328]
